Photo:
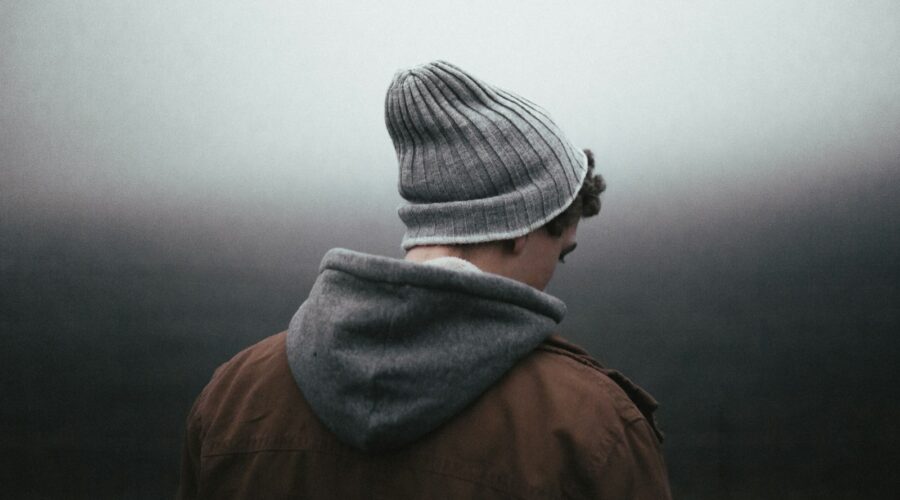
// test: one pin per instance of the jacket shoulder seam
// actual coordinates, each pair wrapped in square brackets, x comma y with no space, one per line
[626,408]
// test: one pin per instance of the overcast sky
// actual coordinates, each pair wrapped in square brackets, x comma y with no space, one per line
[277,103]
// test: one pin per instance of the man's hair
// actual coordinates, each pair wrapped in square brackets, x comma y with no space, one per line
[585,204]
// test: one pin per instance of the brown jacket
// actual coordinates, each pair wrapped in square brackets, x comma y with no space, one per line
[557,425]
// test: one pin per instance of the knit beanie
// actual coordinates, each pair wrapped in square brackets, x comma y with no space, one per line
[477,163]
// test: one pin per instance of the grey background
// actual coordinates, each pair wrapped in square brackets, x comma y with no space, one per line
[172,172]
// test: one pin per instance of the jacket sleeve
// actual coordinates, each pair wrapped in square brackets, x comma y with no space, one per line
[634,468]
[190,456]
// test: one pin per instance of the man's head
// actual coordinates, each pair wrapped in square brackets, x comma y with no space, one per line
[487,174]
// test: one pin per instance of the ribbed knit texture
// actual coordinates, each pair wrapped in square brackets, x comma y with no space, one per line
[477,163]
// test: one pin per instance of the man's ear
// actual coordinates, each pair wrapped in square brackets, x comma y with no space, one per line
[518,244]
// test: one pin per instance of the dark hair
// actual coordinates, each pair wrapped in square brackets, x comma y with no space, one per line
[585,204]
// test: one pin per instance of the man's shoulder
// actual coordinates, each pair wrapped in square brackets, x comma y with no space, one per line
[253,370]
[256,357]
[255,354]
[582,383]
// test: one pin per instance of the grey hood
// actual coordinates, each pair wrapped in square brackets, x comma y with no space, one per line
[386,350]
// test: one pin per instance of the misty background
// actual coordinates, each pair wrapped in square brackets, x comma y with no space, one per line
[173,172]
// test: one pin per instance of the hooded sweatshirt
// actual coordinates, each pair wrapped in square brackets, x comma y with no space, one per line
[406,380]
[387,350]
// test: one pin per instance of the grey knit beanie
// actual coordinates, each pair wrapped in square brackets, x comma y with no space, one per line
[477,163]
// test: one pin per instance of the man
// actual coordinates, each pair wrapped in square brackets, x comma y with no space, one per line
[438,376]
